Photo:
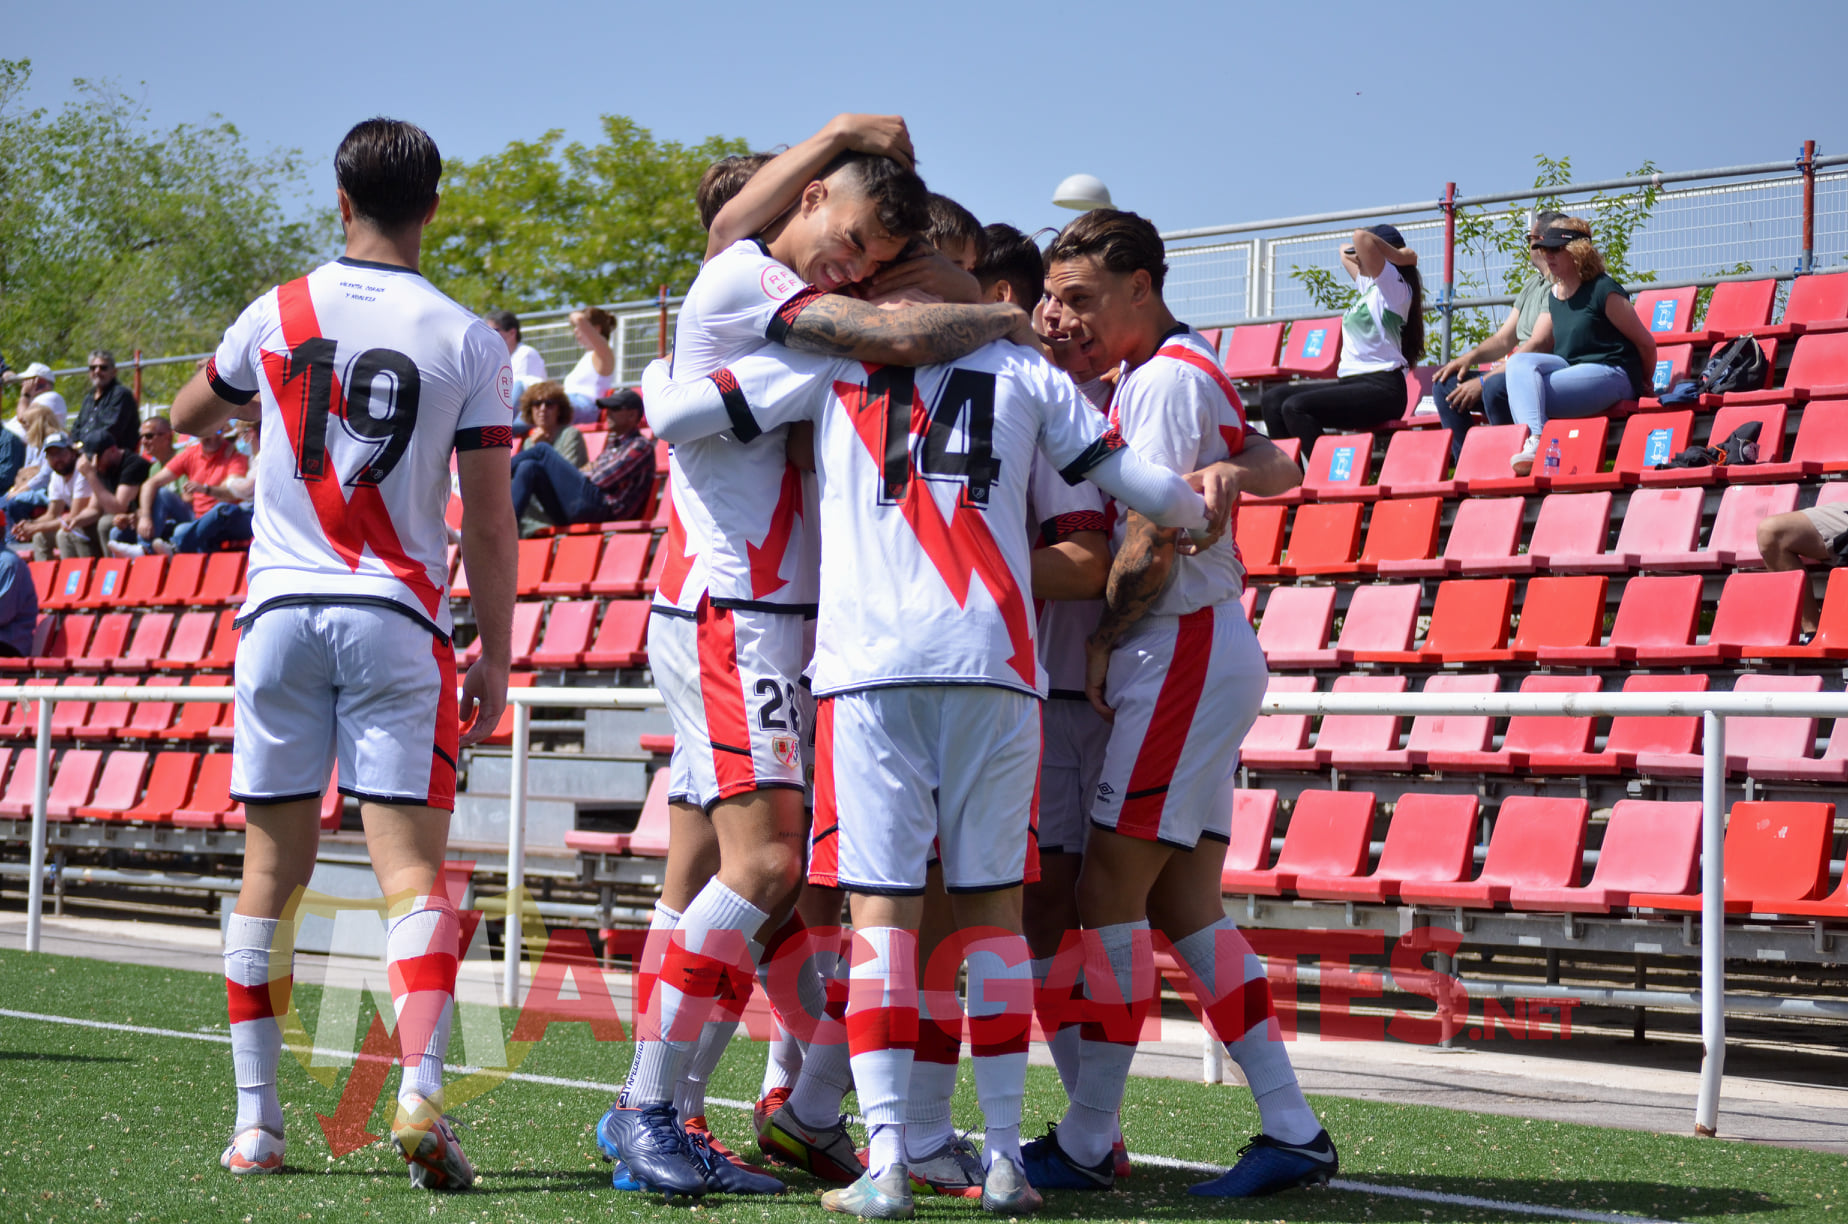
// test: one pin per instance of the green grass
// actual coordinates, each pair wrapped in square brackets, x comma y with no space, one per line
[100,1125]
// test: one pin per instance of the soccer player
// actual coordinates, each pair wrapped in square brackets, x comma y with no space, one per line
[727,641]
[1176,668]
[368,380]
[928,684]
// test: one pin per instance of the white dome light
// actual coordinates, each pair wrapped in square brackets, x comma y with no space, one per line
[1082,192]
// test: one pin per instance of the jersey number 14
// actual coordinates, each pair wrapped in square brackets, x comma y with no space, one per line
[921,444]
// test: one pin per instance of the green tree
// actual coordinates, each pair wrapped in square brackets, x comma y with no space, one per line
[115,235]
[539,226]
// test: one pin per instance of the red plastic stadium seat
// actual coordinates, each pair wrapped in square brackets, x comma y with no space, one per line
[210,801]
[1818,371]
[1560,611]
[21,784]
[535,556]
[1338,467]
[1294,631]
[1660,530]
[1733,543]
[620,637]
[1648,848]
[44,573]
[573,566]
[1432,839]
[72,784]
[567,633]
[106,644]
[1327,836]
[70,585]
[1830,640]
[656,745]
[1484,532]
[191,638]
[594,442]
[105,583]
[1325,539]
[1671,367]
[117,790]
[1817,303]
[1258,532]
[1254,816]
[1485,455]
[526,617]
[223,653]
[1401,529]
[651,829]
[219,580]
[1536,843]
[1469,623]
[1735,308]
[1654,612]
[1314,348]
[1779,749]
[619,569]
[1348,736]
[1251,352]
[1821,446]
[1755,609]
[1569,524]
[66,641]
[184,573]
[1771,418]
[1274,734]
[1648,438]
[1666,311]
[1775,854]
[170,780]
[108,719]
[142,585]
[1431,732]
[1414,457]
[1581,451]
[1380,617]
[196,718]
[150,640]
[149,718]
[1658,743]
[41,642]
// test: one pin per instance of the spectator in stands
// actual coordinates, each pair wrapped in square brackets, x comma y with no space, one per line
[27,495]
[1382,334]
[173,504]
[108,404]
[1819,533]
[615,487]
[207,465]
[18,606]
[528,365]
[35,391]
[228,522]
[66,494]
[115,477]
[1457,394]
[591,378]
[546,409]
[1588,351]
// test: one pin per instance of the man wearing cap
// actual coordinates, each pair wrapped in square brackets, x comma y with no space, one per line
[34,392]
[66,495]
[616,484]
[115,477]
[108,404]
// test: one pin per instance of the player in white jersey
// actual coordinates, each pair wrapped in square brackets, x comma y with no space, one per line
[726,640]
[367,380]
[1176,667]
[928,678]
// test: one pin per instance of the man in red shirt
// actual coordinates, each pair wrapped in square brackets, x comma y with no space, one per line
[206,465]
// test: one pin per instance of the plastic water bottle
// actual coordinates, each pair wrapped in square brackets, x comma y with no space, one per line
[1551,465]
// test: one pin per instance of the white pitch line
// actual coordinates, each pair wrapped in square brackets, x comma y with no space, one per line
[1165,1162]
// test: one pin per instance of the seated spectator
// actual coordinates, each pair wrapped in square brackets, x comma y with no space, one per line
[207,465]
[108,405]
[228,523]
[615,487]
[1819,533]
[1588,351]
[34,392]
[1382,334]
[1456,392]
[67,494]
[528,365]
[547,411]
[115,477]
[173,504]
[19,608]
[27,496]
[591,378]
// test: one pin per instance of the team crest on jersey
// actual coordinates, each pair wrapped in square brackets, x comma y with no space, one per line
[506,386]
[787,750]
[779,282]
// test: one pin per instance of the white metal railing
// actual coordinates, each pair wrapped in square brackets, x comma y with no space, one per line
[1712,708]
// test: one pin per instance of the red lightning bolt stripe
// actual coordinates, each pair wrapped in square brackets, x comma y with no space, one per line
[767,562]
[679,560]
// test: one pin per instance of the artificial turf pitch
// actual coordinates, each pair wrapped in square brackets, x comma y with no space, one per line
[102,1124]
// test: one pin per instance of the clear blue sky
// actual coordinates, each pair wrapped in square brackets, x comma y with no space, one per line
[1193,113]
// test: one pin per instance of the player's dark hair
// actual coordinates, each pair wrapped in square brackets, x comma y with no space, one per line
[899,196]
[1121,241]
[722,180]
[388,169]
[1009,255]
[952,225]
[506,320]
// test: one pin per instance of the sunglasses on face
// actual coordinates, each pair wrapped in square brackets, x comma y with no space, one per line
[94,369]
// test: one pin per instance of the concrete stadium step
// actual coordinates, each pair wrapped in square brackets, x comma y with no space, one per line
[618,732]
[598,779]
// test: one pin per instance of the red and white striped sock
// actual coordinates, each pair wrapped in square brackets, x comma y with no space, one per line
[420,962]
[1000,1024]
[256,994]
[882,1026]
[711,946]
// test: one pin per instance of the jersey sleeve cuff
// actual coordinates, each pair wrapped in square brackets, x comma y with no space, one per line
[777,332]
[485,437]
[1107,444]
[224,390]
[1065,526]
[744,424]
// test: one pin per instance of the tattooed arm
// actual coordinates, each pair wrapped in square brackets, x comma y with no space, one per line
[840,326]
[1137,577]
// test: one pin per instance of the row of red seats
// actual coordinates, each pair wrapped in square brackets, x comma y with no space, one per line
[1561,623]
[109,641]
[1660,531]
[575,636]
[1767,748]
[111,720]
[578,565]
[182,580]
[1776,854]
[188,789]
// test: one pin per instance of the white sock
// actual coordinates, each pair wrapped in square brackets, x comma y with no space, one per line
[882,1010]
[1236,997]
[421,946]
[253,1002]
[1000,1024]
[715,930]
[927,1108]
[885,1147]
[827,1070]
[696,1070]
[646,1014]
[1089,1127]
[784,1064]
[1062,1042]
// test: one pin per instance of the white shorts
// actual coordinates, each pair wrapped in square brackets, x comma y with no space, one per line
[1185,690]
[898,767]
[732,680]
[1076,739]
[359,684]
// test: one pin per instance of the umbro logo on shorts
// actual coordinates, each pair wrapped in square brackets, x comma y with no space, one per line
[1105,790]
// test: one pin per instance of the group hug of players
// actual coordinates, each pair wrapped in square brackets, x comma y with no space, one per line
[998,592]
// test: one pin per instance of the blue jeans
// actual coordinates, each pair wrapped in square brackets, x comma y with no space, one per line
[1493,406]
[170,510]
[22,507]
[226,523]
[566,494]
[1542,386]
